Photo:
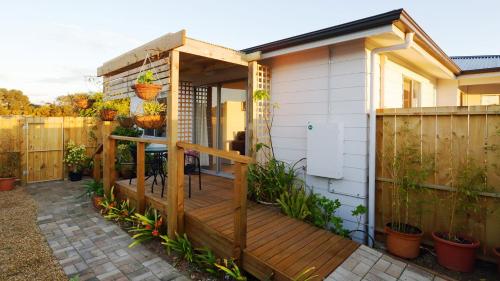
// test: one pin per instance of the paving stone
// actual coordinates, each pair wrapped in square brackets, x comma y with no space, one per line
[361,269]
[70,270]
[412,273]
[394,270]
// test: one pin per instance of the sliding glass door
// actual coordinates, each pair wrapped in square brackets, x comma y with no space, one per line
[220,122]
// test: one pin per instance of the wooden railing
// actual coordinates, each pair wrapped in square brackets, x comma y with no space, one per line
[240,190]
[175,191]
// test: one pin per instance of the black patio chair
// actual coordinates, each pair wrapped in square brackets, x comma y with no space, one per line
[192,167]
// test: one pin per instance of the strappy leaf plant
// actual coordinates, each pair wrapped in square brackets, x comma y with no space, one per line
[147,227]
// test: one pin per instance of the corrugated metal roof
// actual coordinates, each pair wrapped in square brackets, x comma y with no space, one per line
[467,63]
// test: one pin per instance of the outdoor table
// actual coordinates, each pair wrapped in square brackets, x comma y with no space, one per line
[159,154]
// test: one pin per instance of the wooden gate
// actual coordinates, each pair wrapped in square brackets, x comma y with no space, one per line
[44,148]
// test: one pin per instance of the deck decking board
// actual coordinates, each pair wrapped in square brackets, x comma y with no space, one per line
[276,244]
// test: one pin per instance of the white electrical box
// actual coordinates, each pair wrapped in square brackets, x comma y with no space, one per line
[325,149]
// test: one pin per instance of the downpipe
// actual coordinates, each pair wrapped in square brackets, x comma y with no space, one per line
[373,130]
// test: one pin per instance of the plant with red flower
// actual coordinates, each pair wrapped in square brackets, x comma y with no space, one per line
[148,226]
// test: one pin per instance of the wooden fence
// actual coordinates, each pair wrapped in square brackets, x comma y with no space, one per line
[41,142]
[447,135]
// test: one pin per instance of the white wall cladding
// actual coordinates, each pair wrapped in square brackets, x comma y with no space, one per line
[302,84]
[393,85]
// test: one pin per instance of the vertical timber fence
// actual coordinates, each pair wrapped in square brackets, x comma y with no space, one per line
[448,136]
[40,143]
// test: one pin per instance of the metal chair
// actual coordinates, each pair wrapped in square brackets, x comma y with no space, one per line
[192,167]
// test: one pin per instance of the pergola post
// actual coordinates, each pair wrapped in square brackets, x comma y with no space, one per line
[172,111]
[108,156]
[251,114]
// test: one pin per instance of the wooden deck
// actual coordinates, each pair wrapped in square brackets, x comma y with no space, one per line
[277,245]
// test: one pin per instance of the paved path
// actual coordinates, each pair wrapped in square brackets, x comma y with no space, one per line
[87,245]
[368,264]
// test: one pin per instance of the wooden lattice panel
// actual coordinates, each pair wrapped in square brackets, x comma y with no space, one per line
[262,111]
[186,103]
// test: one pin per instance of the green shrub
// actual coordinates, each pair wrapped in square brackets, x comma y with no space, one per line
[206,260]
[92,188]
[147,226]
[294,203]
[180,245]
[146,78]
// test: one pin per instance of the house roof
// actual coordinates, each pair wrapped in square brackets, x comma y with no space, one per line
[399,17]
[341,29]
[477,64]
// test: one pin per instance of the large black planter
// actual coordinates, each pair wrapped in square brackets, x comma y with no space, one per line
[75,176]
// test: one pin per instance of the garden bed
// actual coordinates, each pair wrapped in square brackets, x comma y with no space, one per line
[24,253]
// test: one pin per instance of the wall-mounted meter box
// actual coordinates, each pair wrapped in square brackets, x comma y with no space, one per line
[325,149]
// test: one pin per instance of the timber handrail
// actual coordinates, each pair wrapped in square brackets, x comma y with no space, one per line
[230,155]
[135,139]
[240,190]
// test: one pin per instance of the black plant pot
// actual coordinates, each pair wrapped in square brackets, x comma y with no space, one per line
[75,176]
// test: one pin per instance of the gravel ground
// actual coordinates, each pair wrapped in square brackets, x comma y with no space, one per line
[24,253]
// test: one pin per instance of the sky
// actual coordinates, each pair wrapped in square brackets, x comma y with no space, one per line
[51,48]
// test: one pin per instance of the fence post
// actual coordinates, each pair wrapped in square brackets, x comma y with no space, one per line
[109,157]
[240,209]
[140,171]
[180,190]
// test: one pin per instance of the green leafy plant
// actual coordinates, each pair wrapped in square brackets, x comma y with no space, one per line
[9,166]
[294,203]
[153,108]
[305,275]
[75,156]
[465,198]
[146,78]
[92,188]
[409,169]
[206,260]
[108,105]
[267,181]
[121,212]
[108,202]
[147,227]
[231,270]
[180,245]
[323,214]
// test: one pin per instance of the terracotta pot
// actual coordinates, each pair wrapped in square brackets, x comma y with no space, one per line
[7,184]
[108,114]
[496,251]
[126,122]
[83,103]
[150,121]
[453,255]
[147,91]
[96,201]
[401,244]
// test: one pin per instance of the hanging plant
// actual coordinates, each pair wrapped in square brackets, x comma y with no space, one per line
[144,87]
[125,120]
[153,116]
[83,101]
[108,111]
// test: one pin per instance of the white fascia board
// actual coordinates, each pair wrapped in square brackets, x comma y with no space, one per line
[330,41]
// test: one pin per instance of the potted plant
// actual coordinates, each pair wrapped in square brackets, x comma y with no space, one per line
[125,120]
[8,170]
[125,161]
[153,116]
[108,111]
[74,158]
[94,190]
[456,250]
[144,87]
[83,101]
[409,170]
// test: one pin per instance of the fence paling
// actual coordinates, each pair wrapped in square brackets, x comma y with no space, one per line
[450,135]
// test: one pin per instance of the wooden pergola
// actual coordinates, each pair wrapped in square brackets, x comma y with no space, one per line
[202,63]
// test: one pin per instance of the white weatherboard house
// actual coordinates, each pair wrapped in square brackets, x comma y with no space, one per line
[328,84]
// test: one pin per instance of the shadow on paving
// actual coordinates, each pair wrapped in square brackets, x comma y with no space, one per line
[88,246]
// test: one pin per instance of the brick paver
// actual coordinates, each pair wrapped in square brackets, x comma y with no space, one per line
[87,245]
[367,264]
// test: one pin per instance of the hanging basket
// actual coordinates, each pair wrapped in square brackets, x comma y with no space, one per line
[147,91]
[83,103]
[150,121]
[126,121]
[108,114]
